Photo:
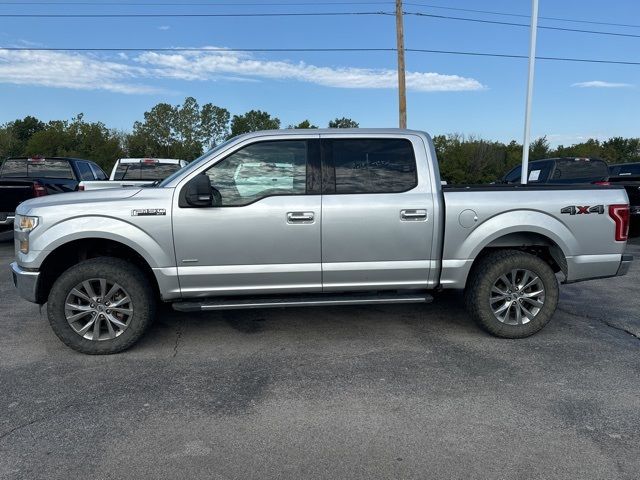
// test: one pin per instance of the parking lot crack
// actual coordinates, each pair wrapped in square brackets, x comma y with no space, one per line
[176,345]
[605,321]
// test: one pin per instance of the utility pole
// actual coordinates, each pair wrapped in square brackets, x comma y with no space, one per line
[402,89]
[527,113]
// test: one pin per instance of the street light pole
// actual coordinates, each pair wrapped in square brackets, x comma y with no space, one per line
[402,94]
[527,115]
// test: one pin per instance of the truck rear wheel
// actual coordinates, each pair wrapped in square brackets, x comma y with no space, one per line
[101,306]
[511,294]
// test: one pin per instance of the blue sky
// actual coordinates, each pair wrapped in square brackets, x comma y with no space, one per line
[447,93]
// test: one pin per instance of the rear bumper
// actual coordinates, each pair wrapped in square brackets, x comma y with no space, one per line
[625,263]
[26,282]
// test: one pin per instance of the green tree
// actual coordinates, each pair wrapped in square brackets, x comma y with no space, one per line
[343,122]
[252,121]
[214,124]
[180,131]
[539,149]
[303,124]
[15,135]
[78,138]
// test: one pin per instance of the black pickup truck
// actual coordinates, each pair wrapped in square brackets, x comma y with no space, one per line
[628,176]
[22,178]
[562,171]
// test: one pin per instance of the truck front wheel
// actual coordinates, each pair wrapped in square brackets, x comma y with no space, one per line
[101,306]
[511,294]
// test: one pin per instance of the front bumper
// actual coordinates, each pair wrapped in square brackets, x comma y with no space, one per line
[26,282]
[625,263]
[6,219]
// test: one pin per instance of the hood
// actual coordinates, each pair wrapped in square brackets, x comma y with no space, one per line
[77,198]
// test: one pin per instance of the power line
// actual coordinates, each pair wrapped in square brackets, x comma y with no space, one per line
[293,50]
[156,15]
[514,24]
[521,15]
[194,4]
[303,14]
[317,3]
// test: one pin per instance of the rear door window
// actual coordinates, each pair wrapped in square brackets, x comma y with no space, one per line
[98,173]
[538,173]
[84,170]
[380,165]
[37,168]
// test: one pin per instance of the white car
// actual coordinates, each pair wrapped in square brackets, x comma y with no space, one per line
[135,172]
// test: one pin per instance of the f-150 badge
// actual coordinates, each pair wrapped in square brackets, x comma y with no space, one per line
[583,210]
[147,212]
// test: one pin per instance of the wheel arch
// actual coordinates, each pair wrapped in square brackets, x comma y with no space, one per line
[71,253]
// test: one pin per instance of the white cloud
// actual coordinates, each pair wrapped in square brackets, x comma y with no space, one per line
[123,73]
[601,84]
[214,64]
[66,70]
[164,27]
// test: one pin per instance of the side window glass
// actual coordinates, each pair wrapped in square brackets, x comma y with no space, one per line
[98,173]
[514,175]
[374,165]
[261,170]
[85,171]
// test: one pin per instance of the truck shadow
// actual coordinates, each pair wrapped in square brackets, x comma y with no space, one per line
[446,315]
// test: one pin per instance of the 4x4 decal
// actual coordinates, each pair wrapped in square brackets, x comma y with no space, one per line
[583,210]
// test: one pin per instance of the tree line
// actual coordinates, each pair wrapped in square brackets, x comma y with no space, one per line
[186,131]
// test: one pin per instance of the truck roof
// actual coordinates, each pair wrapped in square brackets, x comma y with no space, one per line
[346,131]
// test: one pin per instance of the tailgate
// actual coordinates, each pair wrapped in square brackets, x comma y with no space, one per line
[14,192]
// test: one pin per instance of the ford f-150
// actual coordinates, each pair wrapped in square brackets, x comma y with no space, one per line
[310,218]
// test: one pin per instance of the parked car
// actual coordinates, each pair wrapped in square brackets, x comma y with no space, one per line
[22,178]
[135,172]
[628,176]
[562,171]
[361,219]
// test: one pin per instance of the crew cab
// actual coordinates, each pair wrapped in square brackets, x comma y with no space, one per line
[135,172]
[311,218]
[562,171]
[22,178]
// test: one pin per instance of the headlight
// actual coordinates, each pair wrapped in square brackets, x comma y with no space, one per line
[27,224]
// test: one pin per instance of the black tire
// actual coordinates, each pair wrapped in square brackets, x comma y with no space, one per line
[132,280]
[482,279]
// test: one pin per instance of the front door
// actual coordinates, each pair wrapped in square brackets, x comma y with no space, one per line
[377,214]
[265,236]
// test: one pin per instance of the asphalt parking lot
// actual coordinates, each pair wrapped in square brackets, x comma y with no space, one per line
[352,392]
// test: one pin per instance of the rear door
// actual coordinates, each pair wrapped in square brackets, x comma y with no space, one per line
[377,213]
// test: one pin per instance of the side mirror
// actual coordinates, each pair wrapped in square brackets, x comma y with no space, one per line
[198,193]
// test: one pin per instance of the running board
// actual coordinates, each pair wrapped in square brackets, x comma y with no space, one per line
[278,301]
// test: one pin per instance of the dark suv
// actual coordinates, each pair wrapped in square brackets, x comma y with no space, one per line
[22,178]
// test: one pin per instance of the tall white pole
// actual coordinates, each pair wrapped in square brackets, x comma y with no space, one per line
[527,115]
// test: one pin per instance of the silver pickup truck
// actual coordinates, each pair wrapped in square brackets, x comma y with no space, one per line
[309,218]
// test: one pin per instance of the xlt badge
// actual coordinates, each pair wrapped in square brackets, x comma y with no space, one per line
[146,212]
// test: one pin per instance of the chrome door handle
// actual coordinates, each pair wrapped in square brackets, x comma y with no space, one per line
[300,217]
[415,215]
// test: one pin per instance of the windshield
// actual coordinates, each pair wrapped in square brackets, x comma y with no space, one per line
[145,171]
[195,164]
